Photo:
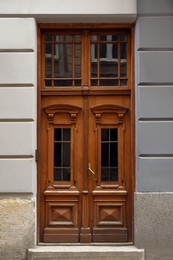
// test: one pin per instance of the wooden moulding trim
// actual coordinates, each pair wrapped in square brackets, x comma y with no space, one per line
[61,192]
[62,108]
[110,192]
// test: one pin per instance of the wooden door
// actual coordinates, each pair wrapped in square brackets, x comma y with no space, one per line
[85,160]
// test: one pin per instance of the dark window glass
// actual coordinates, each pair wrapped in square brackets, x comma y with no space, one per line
[62,143]
[109,154]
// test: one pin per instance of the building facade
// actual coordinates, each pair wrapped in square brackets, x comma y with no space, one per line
[86,125]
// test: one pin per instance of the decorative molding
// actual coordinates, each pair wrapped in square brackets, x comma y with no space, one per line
[99,110]
[73,111]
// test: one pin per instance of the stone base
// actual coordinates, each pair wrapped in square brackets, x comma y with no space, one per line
[86,252]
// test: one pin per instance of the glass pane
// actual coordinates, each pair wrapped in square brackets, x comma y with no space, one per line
[105,134]
[57,174]
[94,82]
[57,134]
[115,52]
[66,174]
[48,37]
[63,83]
[114,37]
[114,174]
[48,83]
[109,82]
[113,154]
[57,154]
[123,60]
[62,38]
[62,144]
[105,174]
[123,37]
[105,154]
[103,50]
[123,82]
[66,154]
[66,134]
[109,154]
[63,61]
[78,83]
[113,134]
[77,61]
[77,38]
[48,61]
[94,38]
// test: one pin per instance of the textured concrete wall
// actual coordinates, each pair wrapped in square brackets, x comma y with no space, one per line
[17,227]
[154,225]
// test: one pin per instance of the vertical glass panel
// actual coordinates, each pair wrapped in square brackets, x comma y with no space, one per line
[115,51]
[77,38]
[113,134]
[57,154]
[94,63]
[62,154]
[123,60]
[48,37]
[63,61]
[123,82]
[113,155]
[57,134]
[66,154]
[113,174]
[94,38]
[109,154]
[123,37]
[114,37]
[48,61]
[105,154]
[103,51]
[77,60]
[105,134]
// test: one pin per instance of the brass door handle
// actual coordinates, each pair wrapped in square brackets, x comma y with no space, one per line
[90,170]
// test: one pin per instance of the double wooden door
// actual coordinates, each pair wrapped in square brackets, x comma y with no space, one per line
[85,170]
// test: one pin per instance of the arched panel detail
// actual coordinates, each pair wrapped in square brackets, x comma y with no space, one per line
[72,110]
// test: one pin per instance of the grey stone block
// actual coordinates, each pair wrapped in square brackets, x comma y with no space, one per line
[155,6]
[154,175]
[155,102]
[154,32]
[155,138]
[86,252]
[155,67]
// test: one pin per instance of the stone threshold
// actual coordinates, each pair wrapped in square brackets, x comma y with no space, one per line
[86,252]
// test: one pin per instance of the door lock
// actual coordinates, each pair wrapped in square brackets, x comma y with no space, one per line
[90,171]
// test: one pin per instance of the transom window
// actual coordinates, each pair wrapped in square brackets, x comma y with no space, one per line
[69,56]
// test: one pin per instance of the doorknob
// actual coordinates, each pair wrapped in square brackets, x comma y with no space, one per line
[90,170]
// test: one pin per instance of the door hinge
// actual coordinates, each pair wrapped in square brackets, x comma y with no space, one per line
[36,155]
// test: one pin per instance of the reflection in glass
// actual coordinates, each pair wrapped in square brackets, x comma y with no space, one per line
[62,60]
[108,59]
[62,143]
[109,154]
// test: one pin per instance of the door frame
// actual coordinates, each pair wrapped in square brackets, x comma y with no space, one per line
[87,26]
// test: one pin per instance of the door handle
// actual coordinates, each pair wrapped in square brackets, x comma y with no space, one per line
[90,170]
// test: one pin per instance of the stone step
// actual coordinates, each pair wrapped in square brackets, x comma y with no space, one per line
[85,253]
